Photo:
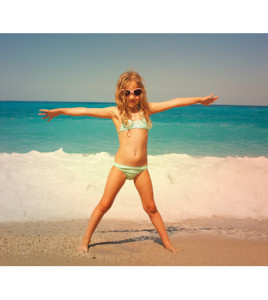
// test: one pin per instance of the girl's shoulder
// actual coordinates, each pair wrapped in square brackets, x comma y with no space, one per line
[115,111]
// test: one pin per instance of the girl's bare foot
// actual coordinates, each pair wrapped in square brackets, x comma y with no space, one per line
[83,247]
[171,248]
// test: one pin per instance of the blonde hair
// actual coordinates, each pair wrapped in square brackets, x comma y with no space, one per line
[120,97]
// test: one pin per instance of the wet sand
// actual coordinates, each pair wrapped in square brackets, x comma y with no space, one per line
[205,242]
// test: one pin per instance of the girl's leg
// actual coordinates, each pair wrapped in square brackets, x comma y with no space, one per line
[115,181]
[144,186]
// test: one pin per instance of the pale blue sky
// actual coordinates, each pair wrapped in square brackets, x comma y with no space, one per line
[85,67]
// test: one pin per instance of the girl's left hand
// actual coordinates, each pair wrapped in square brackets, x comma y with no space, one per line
[208,100]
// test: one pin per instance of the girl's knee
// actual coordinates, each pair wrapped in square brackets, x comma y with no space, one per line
[150,209]
[103,207]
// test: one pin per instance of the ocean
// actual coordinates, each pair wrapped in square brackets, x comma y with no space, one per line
[204,161]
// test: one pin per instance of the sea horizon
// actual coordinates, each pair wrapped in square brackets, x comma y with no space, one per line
[113,102]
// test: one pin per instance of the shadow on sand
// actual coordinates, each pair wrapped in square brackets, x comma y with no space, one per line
[153,235]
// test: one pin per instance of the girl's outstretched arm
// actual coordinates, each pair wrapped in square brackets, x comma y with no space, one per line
[161,106]
[107,112]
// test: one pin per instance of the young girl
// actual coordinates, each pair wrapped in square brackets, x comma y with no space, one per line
[131,117]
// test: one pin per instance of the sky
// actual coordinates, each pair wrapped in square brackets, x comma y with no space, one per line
[86,67]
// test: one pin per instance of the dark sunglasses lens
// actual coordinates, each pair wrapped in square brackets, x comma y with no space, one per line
[127,92]
[137,92]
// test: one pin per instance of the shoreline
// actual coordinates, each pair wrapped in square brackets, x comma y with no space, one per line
[205,242]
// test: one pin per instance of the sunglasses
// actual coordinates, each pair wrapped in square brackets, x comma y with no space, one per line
[136,92]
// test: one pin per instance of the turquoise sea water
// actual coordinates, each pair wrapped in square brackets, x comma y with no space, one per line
[216,130]
[204,161]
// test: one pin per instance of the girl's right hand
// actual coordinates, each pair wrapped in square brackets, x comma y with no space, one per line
[52,113]
[208,100]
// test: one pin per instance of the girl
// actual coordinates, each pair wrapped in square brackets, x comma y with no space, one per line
[131,118]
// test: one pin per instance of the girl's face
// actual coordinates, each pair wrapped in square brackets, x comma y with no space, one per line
[132,100]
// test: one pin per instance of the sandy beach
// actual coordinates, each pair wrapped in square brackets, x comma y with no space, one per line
[205,242]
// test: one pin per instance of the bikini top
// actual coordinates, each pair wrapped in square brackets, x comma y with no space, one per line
[135,124]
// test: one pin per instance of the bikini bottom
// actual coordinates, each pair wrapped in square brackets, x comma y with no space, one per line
[130,172]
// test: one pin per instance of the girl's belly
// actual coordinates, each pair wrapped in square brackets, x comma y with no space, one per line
[131,156]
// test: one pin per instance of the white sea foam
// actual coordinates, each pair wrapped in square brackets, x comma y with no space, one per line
[61,186]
